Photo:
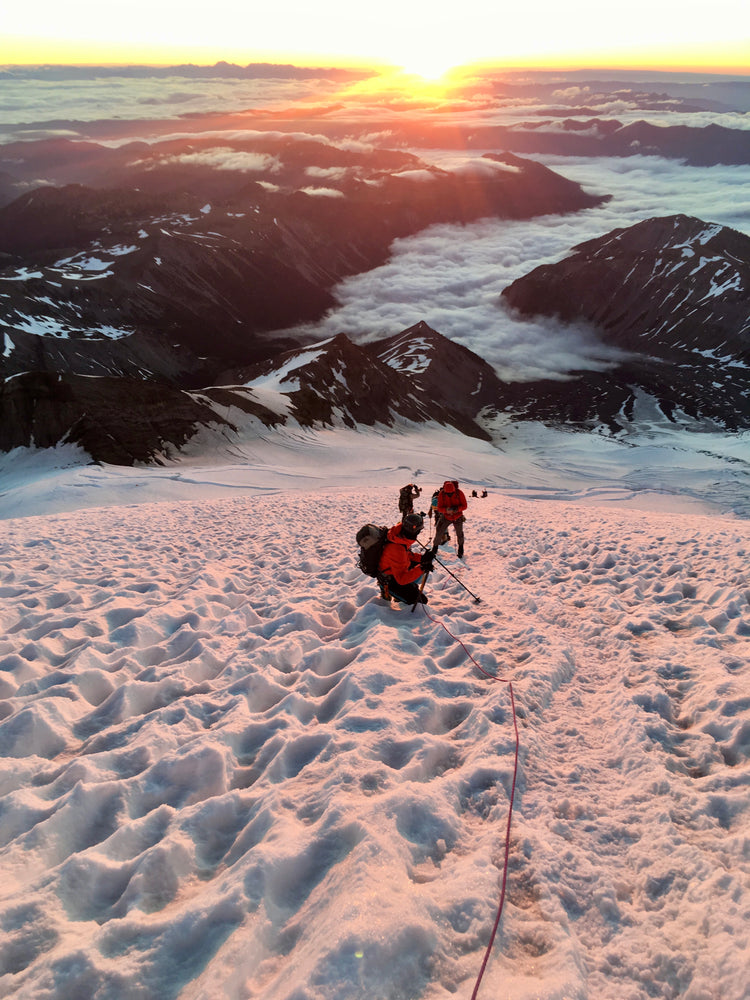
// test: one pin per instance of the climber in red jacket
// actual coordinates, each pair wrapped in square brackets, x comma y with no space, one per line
[451,505]
[400,568]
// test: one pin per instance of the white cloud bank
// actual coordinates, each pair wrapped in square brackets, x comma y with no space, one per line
[452,277]
[225,159]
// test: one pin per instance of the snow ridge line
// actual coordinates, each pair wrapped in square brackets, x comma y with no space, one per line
[506,859]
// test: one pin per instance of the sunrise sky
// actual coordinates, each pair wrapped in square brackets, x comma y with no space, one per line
[423,37]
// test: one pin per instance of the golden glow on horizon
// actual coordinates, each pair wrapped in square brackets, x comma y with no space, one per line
[425,38]
[33,52]
[729,60]
[429,69]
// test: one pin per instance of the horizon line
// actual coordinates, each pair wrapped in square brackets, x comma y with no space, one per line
[384,68]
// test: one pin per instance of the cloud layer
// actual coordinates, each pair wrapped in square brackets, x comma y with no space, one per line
[452,277]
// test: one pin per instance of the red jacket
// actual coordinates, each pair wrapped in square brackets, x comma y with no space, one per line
[398,560]
[451,505]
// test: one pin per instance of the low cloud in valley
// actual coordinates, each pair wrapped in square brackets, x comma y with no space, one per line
[452,277]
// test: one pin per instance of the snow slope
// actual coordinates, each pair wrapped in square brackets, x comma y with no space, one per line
[229,770]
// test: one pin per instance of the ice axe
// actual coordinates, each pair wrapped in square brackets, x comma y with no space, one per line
[424,578]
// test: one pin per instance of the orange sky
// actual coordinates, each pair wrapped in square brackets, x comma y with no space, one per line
[421,36]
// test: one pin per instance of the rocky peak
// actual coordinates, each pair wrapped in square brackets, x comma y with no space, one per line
[671,285]
[674,294]
[442,369]
[337,381]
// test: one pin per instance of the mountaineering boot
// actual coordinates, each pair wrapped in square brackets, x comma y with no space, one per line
[460,552]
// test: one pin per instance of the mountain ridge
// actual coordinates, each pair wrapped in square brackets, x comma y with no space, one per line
[189,269]
[673,294]
[670,362]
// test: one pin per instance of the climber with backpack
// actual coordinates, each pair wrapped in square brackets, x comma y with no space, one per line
[386,555]
[451,504]
[400,568]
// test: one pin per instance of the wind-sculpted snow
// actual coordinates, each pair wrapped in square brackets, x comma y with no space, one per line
[229,770]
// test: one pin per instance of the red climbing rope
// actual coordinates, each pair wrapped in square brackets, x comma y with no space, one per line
[504,680]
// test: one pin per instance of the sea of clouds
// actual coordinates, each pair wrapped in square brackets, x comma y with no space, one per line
[449,276]
[26,101]
[452,276]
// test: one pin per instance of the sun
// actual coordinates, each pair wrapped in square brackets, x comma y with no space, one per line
[429,67]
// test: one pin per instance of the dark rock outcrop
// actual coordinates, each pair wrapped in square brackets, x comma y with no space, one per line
[341,383]
[123,420]
[116,420]
[702,146]
[672,286]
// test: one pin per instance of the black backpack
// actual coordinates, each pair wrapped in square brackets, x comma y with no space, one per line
[371,540]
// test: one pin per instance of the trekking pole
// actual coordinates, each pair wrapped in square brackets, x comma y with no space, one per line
[477,600]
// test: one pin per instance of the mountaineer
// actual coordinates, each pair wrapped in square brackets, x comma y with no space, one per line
[400,568]
[406,497]
[451,504]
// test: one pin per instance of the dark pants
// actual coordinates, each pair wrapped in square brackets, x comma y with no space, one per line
[409,593]
[441,528]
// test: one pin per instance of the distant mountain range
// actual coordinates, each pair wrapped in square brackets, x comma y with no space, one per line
[672,294]
[219,70]
[151,300]
[118,303]
[197,256]
[649,90]
[585,135]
